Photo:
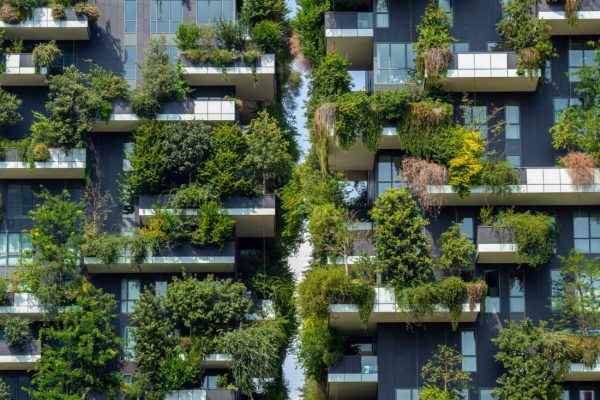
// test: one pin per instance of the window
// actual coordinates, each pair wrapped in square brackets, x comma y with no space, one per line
[468,351]
[548,71]
[516,302]
[160,288]
[210,382]
[494,46]
[130,16]
[387,173]
[561,103]
[586,228]
[555,280]
[20,201]
[476,117]
[581,54]
[513,132]
[130,292]
[382,18]
[492,300]
[16,385]
[565,395]
[407,394]
[166,16]
[12,246]
[485,394]
[213,11]
[129,62]
[393,62]
[446,6]
[172,50]
[466,227]
[128,343]
[459,47]
[586,395]
[127,150]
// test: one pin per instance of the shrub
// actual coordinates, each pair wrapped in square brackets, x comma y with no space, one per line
[40,152]
[144,105]
[267,35]
[165,229]
[10,14]
[418,175]
[107,84]
[17,331]
[476,293]
[9,106]
[106,247]
[214,226]
[356,116]
[58,11]
[457,251]
[464,170]
[4,291]
[451,294]
[188,144]
[90,10]
[581,167]
[231,35]
[187,36]
[192,196]
[429,116]
[443,376]
[498,177]
[435,62]
[44,54]
[320,347]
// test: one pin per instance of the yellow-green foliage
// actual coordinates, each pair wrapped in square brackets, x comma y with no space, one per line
[464,169]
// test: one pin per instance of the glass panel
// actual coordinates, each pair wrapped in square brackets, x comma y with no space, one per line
[594,245]
[14,243]
[160,288]
[512,114]
[215,10]
[516,284]
[3,243]
[403,394]
[469,364]
[513,132]
[586,395]
[398,56]
[203,15]
[565,395]
[130,10]
[485,394]
[580,227]
[517,305]
[466,227]
[228,10]
[575,58]
[383,20]
[582,245]
[382,55]
[381,6]
[468,343]
[492,278]
[384,169]
[133,288]
[595,225]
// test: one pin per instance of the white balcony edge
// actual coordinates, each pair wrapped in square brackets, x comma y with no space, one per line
[42,18]
[164,260]
[560,15]
[348,33]
[352,378]
[233,212]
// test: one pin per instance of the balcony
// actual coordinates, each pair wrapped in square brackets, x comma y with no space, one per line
[253,216]
[21,359]
[358,159]
[579,373]
[588,18]
[344,317]
[21,72]
[60,165]
[124,120]
[350,34]
[24,305]
[201,394]
[539,186]
[252,83]
[487,72]
[355,377]
[495,246]
[42,26]
[169,260]
[217,361]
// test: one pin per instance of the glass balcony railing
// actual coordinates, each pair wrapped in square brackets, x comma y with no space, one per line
[348,20]
[355,369]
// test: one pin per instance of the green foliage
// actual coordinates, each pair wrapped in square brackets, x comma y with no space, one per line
[498,177]
[268,151]
[9,109]
[257,351]
[4,390]
[443,375]
[401,248]
[356,116]
[464,170]
[529,37]
[214,226]
[81,356]
[313,391]
[106,247]
[44,54]
[256,11]
[107,84]
[203,305]
[15,11]
[166,229]
[320,347]
[188,144]
[526,347]
[231,35]
[145,105]
[535,234]
[268,36]
[457,251]
[576,296]
[187,36]
[192,196]
[90,10]
[434,35]
[4,291]
[309,23]
[17,331]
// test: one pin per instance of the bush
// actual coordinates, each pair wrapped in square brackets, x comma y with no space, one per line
[498,177]
[320,347]
[44,54]
[58,11]
[214,226]
[10,14]
[192,196]
[165,229]
[106,247]
[418,175]
[457,251]
[40,152]
[9,106]
[107,84]
[145,106]
[188,144]
[267,35]
[464,170]
[17,331]
[90,10]
[581,167]
[188,36]
[4,291]
[231,35]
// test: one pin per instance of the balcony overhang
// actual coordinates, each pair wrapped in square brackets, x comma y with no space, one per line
[25,305]
[251,83]
[588,22]
[166,264]
[201,394]
[21,359]
[123,120]
[20,71]
[358,158]
[350,34]
[351,388]
[217,361]
[496,253]
[42,26]
[345,318]
[579,372]
[61,165]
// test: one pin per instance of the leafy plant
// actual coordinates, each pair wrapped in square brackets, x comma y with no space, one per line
[498,177]
[107,84]
[4,390]
[320,347]
[457,251]
[268,36]
[165,229]
[44,54]
[214,226]
[443,375]
[464,170]
[188,144]
[4,291]
[90,10]
[581,167]
[58,11]
[356,116]
[231,35]
[17,331]
[9,106]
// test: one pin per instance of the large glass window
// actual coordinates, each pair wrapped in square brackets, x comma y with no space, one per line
[556,280]
[166,16]
[517,295]
[393,62]
[213,11]
[492,300]
[513,132]
[466,227]
[130,293]
[586,229]
[130,16]
[12,247]
[20,201]
[129,62]
[16,387]
[468,351]
[160,288]
[561,103]
[382,18]
[581,54]
[475,117]
[586,395]
[407,394]
[485,394]
[387,173]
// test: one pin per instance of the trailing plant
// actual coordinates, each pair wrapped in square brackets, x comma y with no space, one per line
[457,251]
[432,46]
[464,170]
[166,229]
[90,10]
[58,11]
[17,331]
[535,234]
[9,106]
[418,175]
[309,23]
[581,167]
[15,11]
[571,7]
[401,248]
[320,347]
[443,376]
[214,226]
[529,37]
[44,54]
[4,390]
[498,177]
[357,116]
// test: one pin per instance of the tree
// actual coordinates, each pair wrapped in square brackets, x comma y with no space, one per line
[53,260]
[535,361]
[202,305]
[431,47]
[257,351]
[214,226]
[331,233]
[457,251]
[255,11]
[268,151]
[443,375]
[9,114]
[17,331]
[577,293]
[401,248]
[188,144]
[82,355]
